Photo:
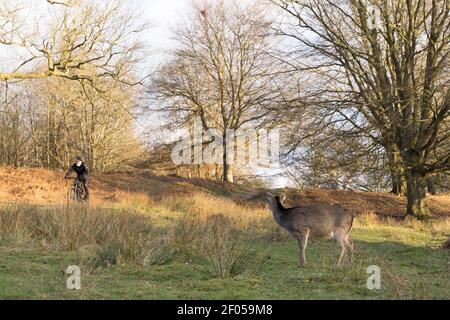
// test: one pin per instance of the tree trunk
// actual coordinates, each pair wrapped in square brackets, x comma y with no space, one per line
[188,172]
[227,167]
[431,185]
[398,182]
[228,173]
[416,194]
[397,171]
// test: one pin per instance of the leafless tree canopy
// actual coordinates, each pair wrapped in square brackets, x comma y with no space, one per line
[223,71]
[386,61]
[71,86]
[78,40]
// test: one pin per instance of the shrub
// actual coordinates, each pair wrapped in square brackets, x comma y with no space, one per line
[215,239]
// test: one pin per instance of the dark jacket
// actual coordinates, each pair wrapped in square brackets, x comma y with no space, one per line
[81,171]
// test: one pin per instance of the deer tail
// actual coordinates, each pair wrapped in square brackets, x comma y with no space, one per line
[351,223]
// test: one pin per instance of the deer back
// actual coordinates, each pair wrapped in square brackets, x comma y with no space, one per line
[321,219]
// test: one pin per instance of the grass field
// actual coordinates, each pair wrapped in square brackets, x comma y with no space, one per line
[205,244]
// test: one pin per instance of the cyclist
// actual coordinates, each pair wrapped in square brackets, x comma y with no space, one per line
[82,172]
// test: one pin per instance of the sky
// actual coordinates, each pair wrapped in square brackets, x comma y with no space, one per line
[162,14]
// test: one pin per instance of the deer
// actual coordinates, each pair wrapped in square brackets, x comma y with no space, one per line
[318,221]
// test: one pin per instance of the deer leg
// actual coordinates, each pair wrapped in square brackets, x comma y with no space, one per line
[341,254]
[302,243]
[340,238]
[350,247]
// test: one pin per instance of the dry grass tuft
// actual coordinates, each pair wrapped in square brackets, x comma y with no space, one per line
[440,226]
[366,219]
[132,201]
[217,239]
[436,226]
[115,236]
[228,257]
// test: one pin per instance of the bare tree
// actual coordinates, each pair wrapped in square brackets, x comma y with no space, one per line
[222,72]
[84,41]
[47,122]
[85,58]
[80,119]
[388,61]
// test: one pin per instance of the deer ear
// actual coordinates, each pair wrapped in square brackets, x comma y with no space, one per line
[268,196]
[282,197]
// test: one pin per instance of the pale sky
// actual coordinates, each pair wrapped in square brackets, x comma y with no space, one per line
[163,14]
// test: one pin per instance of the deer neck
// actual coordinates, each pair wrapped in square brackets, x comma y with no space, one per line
[279,213]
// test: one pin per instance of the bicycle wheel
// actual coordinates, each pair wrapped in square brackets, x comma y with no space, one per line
[79,194]
[72,194]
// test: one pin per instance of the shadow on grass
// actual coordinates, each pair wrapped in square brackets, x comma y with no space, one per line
[407,272]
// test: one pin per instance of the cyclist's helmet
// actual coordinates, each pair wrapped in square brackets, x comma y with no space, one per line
[78,158]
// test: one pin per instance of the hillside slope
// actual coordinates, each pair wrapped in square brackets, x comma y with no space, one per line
[43,187]
[148,237]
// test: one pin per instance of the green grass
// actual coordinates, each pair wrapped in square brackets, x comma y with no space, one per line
[136,245]
[413,266]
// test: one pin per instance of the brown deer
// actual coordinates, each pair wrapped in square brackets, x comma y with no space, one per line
[316,221]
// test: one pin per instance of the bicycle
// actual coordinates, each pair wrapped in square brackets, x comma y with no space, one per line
[76,191]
